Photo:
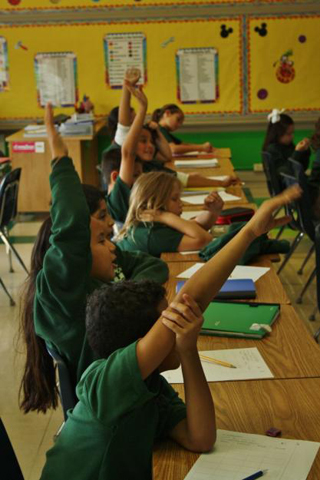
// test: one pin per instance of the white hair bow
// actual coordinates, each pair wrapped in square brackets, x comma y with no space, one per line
[274,116]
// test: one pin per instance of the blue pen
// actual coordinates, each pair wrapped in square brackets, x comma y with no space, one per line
[256,475]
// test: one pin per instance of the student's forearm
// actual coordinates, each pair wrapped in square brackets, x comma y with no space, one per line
[201,423]
[206,219]
[164,147]
[187,227]
[185,148]
[132,138]
[205,284]
[124,108]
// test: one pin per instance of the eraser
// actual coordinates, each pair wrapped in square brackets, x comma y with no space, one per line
[273,432]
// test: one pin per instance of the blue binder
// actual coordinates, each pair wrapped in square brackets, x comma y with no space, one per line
[232,289]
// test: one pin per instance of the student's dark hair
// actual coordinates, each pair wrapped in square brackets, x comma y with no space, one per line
[93,196]
[120,313]
[38,389]
[276,130]
[111,161]
[159,112]
[113,122]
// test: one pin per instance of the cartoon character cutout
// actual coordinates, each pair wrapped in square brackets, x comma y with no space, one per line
[285,72]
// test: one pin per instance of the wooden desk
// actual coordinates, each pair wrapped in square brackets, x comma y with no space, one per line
[34,191]
[218,152]
[252,407]
[269,287]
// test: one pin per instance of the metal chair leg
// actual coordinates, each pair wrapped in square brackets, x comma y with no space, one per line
[6,231]
[305,288]
[312,317]
[304,263]
[12,248]
[294,245]
[280,232]
[12,302]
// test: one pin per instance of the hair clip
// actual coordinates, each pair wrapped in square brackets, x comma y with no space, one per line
[274,116]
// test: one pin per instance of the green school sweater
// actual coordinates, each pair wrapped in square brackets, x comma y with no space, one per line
[64,281]
[110,433]
[169,137]
[140,266]
[153,238]
[281,154]
[118,200]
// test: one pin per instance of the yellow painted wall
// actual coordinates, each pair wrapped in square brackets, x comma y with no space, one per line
[86,41]
[299,34]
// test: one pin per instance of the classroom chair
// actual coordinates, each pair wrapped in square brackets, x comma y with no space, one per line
[301,177]
[66,388]
[273,183]
[10,469]
[9,189]
[300,211]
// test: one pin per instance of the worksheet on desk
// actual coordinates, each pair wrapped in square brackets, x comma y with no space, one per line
[237,455]
[248,362]
[240,272]
[199,199]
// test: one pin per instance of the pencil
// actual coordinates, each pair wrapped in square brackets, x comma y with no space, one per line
[218,362]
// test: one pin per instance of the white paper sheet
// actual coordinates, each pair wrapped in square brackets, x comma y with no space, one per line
[189,252]
[249,362]
[199,199]
[208,163]
[227,197]
[189,154]
[240,272]
[219,177]
[237,455]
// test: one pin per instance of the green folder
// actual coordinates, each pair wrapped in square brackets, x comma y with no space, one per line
[235,319]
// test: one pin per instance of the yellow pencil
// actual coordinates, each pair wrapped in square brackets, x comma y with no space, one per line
[218,362]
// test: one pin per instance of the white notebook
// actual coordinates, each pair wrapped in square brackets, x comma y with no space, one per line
[210,162]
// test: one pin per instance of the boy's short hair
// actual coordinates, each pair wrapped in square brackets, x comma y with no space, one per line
[93,196]
[120,313]
[111,161]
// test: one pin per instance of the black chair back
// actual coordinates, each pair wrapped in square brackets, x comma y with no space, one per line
[301,209]
[9,189]
[10,469]
[317,244]
[272,176]
[66,387]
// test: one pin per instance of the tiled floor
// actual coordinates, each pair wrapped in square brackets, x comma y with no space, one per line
[32,434]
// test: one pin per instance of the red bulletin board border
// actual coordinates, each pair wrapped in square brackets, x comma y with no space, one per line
[274,17]
[139,22]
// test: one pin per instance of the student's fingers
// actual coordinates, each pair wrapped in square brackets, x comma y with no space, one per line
[180,310]
[172,326]
[188,300]
[279,222]
[177,318]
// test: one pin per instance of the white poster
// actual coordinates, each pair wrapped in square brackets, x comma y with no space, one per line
[56,75]
[122,51]
[4,65]
[197,75]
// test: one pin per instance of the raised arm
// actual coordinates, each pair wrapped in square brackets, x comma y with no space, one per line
[163,146]
[132,77]
[203,286]
[128,151]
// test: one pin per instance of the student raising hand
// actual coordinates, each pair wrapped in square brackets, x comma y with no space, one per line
[57,145]
[132,76]
[138,93]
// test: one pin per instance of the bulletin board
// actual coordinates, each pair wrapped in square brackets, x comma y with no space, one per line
[284,63]
[163,41]
[61,4]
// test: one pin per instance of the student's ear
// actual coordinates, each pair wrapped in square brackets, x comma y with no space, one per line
[114,175]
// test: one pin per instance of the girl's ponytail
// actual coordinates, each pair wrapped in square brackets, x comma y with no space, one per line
[38,387]
[159,112]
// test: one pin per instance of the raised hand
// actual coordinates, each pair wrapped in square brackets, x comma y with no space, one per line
[185,320]
[132,76]
[303,145]
[57,145]
[263,220]
[138,93]
[214,203]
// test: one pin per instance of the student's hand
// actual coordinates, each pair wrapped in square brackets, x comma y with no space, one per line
[138,93]
[207,147]
[185,320]
[230,180]
[151,216]
[303,145]
[132,76]
[263,220]
[213,203]
[57,146]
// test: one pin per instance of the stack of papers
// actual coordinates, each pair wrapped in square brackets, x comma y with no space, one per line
[208,163]
[35,131]
[240,272]
[248,362]
[71,127]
